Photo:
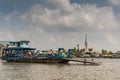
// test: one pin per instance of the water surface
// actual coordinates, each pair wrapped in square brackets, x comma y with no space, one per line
[108,70]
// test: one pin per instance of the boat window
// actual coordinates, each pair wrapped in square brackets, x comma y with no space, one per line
[13,43]
[21,43]
[26,43]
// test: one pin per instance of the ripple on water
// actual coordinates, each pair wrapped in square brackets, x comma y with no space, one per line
[108,70]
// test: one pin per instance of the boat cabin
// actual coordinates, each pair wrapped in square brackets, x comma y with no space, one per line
[18,43]
[17,53]
[17,50]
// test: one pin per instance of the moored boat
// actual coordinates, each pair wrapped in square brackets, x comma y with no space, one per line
[18,51]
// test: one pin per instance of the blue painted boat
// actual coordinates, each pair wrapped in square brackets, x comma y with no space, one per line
[18,51]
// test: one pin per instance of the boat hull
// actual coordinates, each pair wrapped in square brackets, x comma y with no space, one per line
[40,60]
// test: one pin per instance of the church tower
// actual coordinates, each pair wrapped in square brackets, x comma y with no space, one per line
[86,44]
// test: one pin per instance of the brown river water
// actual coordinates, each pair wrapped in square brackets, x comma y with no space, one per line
[108,70]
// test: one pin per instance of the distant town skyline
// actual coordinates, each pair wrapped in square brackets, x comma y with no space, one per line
[62,23]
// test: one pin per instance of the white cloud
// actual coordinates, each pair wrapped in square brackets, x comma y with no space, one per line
[81,18]
[114,2]
[58,23]
[6,35]
[62,22]
[62,5]
[111,39]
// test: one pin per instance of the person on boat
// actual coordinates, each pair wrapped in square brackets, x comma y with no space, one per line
[51,52]
[12,52]
[63,53]
[4,53]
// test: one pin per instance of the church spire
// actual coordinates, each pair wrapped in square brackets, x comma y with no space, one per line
[86,44]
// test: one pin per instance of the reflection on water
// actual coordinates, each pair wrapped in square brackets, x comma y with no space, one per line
[108,70]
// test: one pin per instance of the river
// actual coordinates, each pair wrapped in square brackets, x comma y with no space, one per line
[108,70]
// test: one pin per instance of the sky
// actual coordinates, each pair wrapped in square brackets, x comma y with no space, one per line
[52,24]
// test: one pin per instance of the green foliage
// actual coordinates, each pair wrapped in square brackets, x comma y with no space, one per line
[106,52]
[77,54]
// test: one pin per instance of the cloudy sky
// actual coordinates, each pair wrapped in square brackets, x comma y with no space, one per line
[62,23]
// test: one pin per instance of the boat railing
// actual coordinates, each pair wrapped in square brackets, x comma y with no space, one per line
[21,55]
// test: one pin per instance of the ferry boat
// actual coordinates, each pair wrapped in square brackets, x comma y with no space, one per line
[19,51]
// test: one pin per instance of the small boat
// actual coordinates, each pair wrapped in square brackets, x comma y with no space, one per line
[18,51]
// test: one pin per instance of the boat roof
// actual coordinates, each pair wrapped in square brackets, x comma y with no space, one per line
[19,48]
[20,41]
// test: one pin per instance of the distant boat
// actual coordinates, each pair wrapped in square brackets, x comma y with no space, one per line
[18,51]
